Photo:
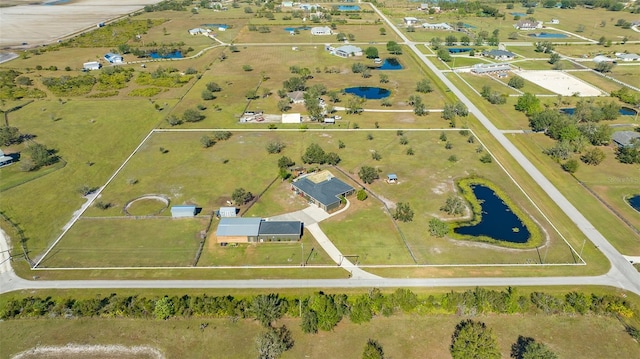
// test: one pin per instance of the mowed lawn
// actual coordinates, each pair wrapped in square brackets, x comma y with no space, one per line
[157,242]
[401,336]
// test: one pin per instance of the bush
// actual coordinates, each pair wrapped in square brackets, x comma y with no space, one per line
[403,212]
[438,228]
[275,147]
[571,166]
[361,195]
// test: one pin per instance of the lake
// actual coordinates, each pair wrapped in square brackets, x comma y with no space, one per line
[634,202]
[498,222]
[370,93]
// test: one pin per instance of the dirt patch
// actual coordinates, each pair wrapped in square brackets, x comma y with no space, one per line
[77,351]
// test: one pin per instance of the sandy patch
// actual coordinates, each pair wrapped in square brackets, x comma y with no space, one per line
[560,82]
[71,351]
[41,24]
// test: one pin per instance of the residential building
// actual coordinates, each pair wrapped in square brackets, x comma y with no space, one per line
[348,51]
[624,138]
[321,31]
[183,211]
[92,65]
[410,21]
[296,96]
[277,231]
[627,57]
[502,55]
[198,31]
[322,189]
[287,4]
[438,26]
[489,68]
[4,159]
[554,21]
[528,25]
[114,58]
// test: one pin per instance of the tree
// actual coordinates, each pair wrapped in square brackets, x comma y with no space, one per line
[284,105]
[192,115]
[529,104]
[361,195]
[528,348]
[285,162]
[424,86]
[373,350]
[341,37]
[40,155]
[267,308]
[444,55]
[273,342]
[163,308]
[207,95]
[465,40]
[312,104]
[403,212]
[361,310]
[571,166]
[516,82]
[450,40]
[368,174]
[241,196]
[473,340]
[629,154]
[314,154]
[555,57]
[394,48]
[9,135]
[371,52]
[213,87]
[309,323]
[604,66]
[207,141]
[544,47]
[354,104]
[454,205]
[438,228]
[328,311]
[486,158]
[275,147]
[436,42]
[294,84]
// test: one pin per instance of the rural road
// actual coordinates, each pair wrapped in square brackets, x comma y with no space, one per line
[621,275]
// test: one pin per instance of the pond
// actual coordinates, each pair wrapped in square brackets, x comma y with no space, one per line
[547,35]
[625,111]
[170,55]
[348,7]
[390,64]
[56,2]
[634,202]
[291,29]
[458,50]
[498,222]
[521,14]
[370,93]
[217,26]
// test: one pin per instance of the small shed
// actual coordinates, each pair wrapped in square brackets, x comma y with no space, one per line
[392,178]
[183,211]
[227,212]
[291,118]
[114,58]
[92,65]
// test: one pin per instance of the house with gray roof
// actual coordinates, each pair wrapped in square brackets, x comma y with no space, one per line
[348,51]
[4,159]
[627,57]
[624,138]
[499,54]
[322,189]
[252,230]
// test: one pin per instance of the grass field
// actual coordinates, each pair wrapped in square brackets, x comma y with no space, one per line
[401,336]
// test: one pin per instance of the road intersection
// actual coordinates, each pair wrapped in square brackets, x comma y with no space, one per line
[621,275]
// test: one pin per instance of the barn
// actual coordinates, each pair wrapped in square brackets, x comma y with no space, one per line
[183,211]
[238,230]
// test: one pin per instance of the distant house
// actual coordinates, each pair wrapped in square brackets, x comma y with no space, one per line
[291,118]
[423,7]
[287,4]
[322,189]
[489,68]
[252,230]
[321,31]
[624,138]
[392,178]
[601,58]
[114,58]
[4,159]
[528,25]
[92,65]
[309,7]
[198,31]
[183,211]
[627,57]
[227,212]
[410,21]
[554,21]
[348,51]
[502,55]
[438,26]
[296,96]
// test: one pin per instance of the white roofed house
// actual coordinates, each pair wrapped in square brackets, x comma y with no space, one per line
[92,65]
[489,68]
[321,31]
[198,31]
[627,57]
[528,24]
[438,26]
[348,51]
[410,21]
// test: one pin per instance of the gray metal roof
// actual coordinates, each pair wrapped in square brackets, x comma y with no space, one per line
[623,138]
[269,228]
[349,49]
[237,226]
[499,53]
[325,192]
[227,212]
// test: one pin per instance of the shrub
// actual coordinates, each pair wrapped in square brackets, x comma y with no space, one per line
[361,195]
